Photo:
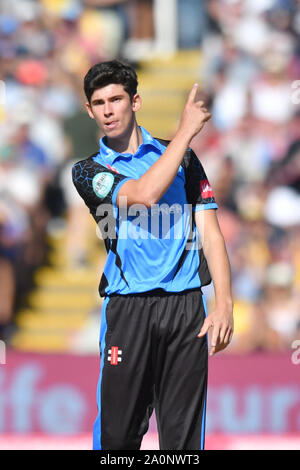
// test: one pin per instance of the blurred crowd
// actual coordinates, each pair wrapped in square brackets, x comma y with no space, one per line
[250,148]
[251,151]
[46,47]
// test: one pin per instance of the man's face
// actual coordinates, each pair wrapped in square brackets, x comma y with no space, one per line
[113,110]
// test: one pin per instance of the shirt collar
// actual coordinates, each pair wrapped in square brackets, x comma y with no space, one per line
[110,155]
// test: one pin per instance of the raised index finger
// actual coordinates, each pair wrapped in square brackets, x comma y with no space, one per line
[193,93]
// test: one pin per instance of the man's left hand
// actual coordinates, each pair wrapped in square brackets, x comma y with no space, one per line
[221,322]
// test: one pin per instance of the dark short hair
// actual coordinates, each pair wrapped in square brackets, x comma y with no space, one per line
[112,71]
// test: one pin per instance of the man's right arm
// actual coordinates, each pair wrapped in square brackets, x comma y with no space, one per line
[151,186]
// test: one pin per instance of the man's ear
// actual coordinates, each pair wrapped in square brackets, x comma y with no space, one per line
[136,102]
[89,110]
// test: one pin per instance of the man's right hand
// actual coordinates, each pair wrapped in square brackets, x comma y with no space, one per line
[194,114]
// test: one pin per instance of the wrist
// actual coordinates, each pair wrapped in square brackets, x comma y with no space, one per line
[224,303]
[183,135]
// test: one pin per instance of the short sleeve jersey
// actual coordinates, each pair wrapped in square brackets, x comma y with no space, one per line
[147,248]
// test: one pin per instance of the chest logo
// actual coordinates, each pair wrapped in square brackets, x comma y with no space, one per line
[102,184]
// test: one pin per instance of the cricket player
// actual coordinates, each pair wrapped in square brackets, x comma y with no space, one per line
[157,213]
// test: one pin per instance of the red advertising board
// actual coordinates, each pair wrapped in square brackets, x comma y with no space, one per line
[56,394]
[48,393]
[258,393]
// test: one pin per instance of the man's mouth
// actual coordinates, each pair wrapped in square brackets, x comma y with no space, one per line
[111,124]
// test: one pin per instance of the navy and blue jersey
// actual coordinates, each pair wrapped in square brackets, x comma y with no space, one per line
[147,248]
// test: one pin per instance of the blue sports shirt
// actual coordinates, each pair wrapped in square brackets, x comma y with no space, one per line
[147,248]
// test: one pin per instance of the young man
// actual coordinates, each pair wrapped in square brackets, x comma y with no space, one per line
[148,196]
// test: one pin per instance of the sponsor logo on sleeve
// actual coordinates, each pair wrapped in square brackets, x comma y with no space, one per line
[206,190]
[102,184]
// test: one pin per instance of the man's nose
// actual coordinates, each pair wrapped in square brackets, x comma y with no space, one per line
[107,109]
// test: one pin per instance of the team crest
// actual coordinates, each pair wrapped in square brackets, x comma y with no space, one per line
[102,184]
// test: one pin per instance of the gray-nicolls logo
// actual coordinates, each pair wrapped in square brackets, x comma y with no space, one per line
[114,355]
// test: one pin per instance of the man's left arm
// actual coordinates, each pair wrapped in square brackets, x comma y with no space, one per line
[221,318]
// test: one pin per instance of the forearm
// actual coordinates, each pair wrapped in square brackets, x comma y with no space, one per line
[218,263]
[215,252]
[151,186]
[155,182]
[214,249]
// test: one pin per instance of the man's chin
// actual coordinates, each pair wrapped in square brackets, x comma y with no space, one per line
[114,134]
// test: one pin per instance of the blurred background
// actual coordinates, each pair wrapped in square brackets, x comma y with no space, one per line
[245,54]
